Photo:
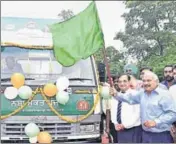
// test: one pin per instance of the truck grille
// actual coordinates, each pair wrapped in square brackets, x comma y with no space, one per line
[17,130]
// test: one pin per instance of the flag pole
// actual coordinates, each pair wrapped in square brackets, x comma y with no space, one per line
[108,114]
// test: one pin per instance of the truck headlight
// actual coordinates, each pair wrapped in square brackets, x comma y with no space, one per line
[87,128]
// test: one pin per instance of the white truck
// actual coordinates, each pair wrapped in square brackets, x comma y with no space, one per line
[27,43]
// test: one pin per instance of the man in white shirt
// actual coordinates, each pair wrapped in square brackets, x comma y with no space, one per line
[126,117]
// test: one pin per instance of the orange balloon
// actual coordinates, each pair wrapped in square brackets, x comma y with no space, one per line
[50,90]
[17,80]
[44,138]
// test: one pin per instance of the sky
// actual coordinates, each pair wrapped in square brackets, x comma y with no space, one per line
[109,13]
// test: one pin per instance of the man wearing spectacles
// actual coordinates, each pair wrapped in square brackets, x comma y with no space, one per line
[145,69]
[126,117]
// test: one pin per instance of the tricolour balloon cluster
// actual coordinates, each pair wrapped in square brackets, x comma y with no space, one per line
[34,134]
[18,88]
[25,92]
[57,90]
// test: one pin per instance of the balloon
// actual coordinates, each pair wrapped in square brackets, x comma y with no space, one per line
[62,83]
[105,92]
[44,137]
[31,130]
[62,97]
[25,92]
[33,139]
[11,93]
[17,80]
[50,90]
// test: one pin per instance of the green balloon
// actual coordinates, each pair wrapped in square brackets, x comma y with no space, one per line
[62,97]
[31,130]
[25,92]
[105,92]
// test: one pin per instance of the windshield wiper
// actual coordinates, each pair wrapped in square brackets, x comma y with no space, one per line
[8,79]
[79,79]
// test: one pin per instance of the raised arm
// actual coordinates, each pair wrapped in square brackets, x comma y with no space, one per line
[131,97]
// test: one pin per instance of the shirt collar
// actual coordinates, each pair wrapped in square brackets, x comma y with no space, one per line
[157,90]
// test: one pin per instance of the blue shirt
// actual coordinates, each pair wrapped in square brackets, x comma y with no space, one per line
[158,106]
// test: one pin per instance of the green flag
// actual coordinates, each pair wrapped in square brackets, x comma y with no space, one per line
[78,37]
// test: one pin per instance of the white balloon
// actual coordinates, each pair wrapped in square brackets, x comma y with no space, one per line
[33,139]
[62,97]
[11,93]
[62,83]
[31,130]
[25,92]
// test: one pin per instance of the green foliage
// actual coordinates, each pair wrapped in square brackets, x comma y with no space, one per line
[159,62]
[150,28]
[115,59]
[150,33]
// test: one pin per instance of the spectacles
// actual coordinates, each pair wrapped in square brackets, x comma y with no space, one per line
[124,81]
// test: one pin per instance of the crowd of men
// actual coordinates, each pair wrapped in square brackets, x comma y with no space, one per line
[144,111]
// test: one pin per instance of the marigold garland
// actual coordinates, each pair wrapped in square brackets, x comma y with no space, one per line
[40,90]
[21,107]
[66,118]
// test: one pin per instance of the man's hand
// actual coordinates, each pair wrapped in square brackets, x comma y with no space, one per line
[173,129]
[149,123]
[119,127]
[173,132]
[113,91]
[104,138]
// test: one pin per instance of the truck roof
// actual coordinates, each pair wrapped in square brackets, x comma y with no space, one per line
[27,32]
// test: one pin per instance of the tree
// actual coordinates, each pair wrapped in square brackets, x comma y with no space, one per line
[66,14]
[150,28]
[159,62]
[115,59]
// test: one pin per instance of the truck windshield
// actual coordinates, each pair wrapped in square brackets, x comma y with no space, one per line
[40,66]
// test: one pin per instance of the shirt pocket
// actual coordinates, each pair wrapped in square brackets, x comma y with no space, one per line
[153,110]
